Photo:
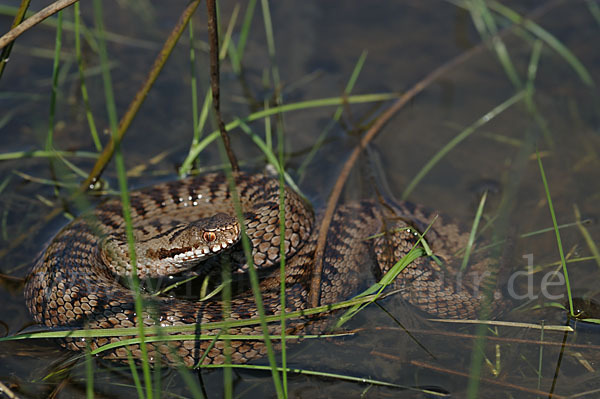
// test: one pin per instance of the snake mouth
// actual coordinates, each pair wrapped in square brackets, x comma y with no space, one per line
[191,254]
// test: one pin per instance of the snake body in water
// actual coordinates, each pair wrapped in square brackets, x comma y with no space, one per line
[75,282]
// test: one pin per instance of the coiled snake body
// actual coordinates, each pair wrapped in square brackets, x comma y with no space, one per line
[177,224]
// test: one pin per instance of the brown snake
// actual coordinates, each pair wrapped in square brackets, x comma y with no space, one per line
[177,224]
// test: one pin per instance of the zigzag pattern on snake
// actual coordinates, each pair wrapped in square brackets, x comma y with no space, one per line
[73,282]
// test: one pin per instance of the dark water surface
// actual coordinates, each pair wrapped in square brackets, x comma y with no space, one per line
[317,46]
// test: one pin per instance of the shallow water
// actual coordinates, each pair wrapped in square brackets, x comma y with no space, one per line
[317,47]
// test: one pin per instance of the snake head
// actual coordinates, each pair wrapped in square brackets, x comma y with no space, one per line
[175,250]
[190,243]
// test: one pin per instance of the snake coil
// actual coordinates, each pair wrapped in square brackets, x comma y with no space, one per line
[179,224]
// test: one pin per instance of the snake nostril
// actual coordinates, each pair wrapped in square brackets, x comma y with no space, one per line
[209,236]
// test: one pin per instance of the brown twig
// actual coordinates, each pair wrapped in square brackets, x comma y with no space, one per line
[140,96]
[315,286]
[34,20]
[213,34]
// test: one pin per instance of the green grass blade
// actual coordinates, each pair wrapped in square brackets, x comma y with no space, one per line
[282,269]
[207,351]
[236,53]
[557,232]
[594,9]
[472,235]
[279,164]
[84,92]
[163,332]
[227,38]
[377,289]
[245,31]
[530,89]
[77,170]
[122,178]
[459,138]
[271,49]
[532,69]
[46,154]
[264,147]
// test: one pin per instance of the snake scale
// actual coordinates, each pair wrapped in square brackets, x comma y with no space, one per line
[75,282]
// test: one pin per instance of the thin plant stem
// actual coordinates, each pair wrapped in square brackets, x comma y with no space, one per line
[557,232]
[236,60]
[122,178]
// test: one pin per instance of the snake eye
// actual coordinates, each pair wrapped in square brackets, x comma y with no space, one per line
[209,236]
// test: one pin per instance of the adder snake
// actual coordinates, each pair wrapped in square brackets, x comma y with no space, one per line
[179,223]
